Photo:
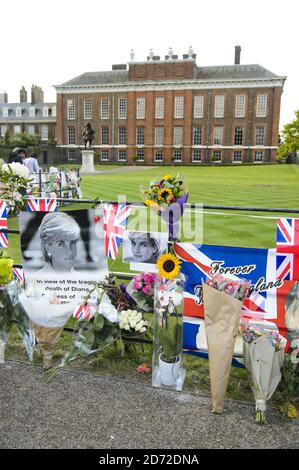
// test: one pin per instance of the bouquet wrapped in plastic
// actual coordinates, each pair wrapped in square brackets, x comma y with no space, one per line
[223,300]
[11,311]
[167,197]
[263,357]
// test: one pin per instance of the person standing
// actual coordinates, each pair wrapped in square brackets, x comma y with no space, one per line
[31,163]
[17,155]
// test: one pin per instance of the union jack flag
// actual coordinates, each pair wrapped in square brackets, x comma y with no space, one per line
[19,274]
[84,312]
[287,249]
[115,219]
[42,205]
[196,265]
[3,225]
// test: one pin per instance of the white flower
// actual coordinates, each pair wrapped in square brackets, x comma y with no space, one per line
[143,329]
[126,326]
[133,323]
[175,297]
[108,311]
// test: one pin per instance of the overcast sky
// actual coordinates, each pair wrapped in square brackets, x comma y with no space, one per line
[47,42]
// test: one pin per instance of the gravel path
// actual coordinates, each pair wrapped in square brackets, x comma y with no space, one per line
[79,410]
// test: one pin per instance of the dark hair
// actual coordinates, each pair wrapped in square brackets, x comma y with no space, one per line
[22,150]
[33,155]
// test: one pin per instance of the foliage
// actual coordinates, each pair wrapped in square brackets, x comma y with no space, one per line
[170,332]
[290,137]
[290,380]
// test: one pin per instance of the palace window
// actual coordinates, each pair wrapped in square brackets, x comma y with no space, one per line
[177,155]
[261,106]
[122,108]
[105,108]
[196,155]
[87,109]
[179,107]
[122,136]
[217,155]
[122,155]
[71,135]
[198,107]
[159,135]
[219,106]
[139,135]
[218,135]
[237,157]
[197,136]
[259,135]
[258,156]
[240,106]
[71,109]
[238,139]
[105,135]
[140,108]
[105,155]
[177,136]
[158,155]
[159,110]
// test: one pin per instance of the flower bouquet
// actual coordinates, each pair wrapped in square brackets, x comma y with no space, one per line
[14,179]
[167,197]
[98,320]
[133,327]
[223,299]
[263,357]
[290,380]
[11,311]
[141,288]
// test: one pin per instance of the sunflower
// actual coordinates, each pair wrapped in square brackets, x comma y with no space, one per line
[168,265]
[167,177]
[164,194]
[151,203]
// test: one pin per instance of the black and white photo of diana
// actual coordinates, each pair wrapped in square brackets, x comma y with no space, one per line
[63,255]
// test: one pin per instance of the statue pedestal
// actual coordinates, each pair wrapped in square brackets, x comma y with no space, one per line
[87,161]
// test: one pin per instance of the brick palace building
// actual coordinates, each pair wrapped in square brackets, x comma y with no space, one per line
[173,110]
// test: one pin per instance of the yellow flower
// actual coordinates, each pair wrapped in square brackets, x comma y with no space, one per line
[6,274]
[289,410]
[164,194]
[167,177]
[151,203]
[168,266]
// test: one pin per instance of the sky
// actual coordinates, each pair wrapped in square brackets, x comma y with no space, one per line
[51,41]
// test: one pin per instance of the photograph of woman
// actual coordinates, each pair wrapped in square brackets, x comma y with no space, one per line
[292,308]
[142,247]
[59,235]
[63,255]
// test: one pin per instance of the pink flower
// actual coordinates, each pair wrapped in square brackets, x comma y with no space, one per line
[143,368]
[147,289]
[230,289]
[137,285]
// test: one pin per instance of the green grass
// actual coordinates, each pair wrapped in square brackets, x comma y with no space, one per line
[254,186]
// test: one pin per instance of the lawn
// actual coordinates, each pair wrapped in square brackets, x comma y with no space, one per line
[253,186]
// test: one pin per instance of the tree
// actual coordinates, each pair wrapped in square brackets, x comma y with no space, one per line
[290,137]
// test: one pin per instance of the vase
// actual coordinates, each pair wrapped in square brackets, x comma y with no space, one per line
[169,371]
[167,333]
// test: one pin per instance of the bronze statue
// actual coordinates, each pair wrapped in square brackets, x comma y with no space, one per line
[88,135]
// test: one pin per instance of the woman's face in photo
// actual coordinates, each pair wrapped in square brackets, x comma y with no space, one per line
[62,253]
[142,249]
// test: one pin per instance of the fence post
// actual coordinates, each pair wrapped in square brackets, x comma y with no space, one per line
[40,182]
